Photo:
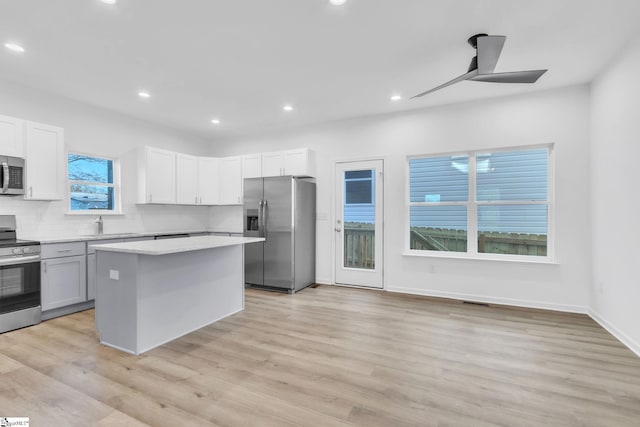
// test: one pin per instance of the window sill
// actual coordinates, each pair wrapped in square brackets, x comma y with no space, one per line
[94,213]
[513,258]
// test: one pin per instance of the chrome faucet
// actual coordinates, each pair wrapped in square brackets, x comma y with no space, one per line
[100,223]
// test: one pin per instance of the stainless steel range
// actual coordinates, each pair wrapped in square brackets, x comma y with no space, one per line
[19,278]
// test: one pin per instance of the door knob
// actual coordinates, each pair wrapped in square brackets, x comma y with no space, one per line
[338,229]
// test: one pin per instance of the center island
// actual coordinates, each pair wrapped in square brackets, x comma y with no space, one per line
[151,292]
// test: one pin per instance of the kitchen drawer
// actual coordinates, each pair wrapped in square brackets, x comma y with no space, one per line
[58,250]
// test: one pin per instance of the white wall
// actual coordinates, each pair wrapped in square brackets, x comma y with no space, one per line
[102,132]
[615,151]
[560,116]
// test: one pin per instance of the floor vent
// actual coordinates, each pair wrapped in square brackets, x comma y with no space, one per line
[484,304]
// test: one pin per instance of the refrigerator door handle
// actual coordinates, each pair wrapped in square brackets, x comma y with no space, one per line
[264,219]
[260,225]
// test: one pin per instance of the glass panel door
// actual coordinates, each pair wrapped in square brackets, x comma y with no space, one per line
[359,219]
[358,223]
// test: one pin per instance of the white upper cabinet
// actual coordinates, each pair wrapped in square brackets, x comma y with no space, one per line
[186,179]
[298,162]
[230,175]
[272,163]
[167,177]
[208,181]
[45,165]
[157,173]
[252,166]
[11,137]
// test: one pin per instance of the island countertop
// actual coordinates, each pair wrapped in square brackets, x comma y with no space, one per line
[172,246]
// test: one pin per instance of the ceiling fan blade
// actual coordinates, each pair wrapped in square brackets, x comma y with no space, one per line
[530,76]
[488,51]
[458,79]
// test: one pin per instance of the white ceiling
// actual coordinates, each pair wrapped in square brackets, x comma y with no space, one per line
[242,60]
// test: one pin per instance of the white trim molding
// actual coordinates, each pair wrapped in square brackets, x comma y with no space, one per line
[625,339]
[492,300]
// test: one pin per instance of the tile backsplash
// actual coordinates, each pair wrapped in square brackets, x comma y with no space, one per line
[48,219]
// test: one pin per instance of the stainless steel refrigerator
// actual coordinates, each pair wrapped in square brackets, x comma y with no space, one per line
[282,210]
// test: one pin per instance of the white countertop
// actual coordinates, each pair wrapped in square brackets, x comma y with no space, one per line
[172,246]
[46,238]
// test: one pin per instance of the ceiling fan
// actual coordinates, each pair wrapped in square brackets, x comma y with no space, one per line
[488,49]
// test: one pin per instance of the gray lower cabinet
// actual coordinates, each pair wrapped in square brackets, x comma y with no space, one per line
[91,277]
[68,275]
[91,264]
[91,261]
[63,275]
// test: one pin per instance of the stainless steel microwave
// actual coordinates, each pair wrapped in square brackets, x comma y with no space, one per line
[11,176]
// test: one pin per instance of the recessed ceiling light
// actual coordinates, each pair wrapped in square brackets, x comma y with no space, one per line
[143,94]
[14,47]
[215,121]
[108,1]
[288,108]
[337,2]
[396,98]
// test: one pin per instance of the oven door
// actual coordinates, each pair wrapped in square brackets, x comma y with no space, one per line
[19,284]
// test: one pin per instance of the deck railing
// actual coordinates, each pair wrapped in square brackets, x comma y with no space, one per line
[359,245]
[442,239]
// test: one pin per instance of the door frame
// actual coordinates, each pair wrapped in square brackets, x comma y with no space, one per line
[333,216]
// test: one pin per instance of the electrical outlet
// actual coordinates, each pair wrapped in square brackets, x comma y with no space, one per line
[114,274]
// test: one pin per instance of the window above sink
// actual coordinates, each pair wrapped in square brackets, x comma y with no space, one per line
[93,185]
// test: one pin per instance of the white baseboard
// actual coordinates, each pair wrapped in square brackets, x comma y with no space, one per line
[492,300]
[321,281]
[625,339]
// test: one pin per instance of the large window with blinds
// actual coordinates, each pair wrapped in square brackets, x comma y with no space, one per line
[485,204]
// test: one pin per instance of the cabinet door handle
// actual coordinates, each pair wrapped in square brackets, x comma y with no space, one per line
[30,191]
[45,266]
[64,250]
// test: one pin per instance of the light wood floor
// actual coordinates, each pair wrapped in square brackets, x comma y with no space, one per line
[326,357]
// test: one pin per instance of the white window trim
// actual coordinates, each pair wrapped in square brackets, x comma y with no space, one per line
[116,187]
[472,209]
